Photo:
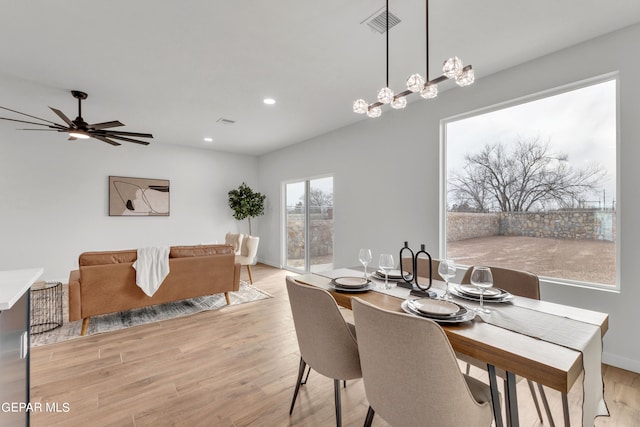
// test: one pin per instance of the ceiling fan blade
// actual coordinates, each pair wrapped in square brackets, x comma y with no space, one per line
[105,125]
[117,132]
[103,139]
[72,138]
[57,126]
[63,117]
[122,138]
[29,115]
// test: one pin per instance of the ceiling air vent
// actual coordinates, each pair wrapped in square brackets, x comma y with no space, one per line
[377,21]
[224,121]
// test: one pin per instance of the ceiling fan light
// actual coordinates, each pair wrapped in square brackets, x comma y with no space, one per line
[385,95]
[360,106]
[466,78]
[452,67]
[399,102]
[79,135]
[415,82]
[429,91]
[374,112]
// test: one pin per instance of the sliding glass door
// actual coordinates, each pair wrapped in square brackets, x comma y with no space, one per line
[309,225]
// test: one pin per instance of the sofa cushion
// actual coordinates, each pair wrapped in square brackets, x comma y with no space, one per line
[107,257]
[199,250]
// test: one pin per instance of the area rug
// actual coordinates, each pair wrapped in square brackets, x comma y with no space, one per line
[140,316]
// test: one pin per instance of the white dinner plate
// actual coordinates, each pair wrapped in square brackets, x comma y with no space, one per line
[351,282]
[393,274]
[472,290]
[337,288]
[435,306]
[505,297]
[468,315]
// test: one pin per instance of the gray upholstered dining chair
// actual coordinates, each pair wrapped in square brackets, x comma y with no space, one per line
[411,375]
[327,343]
[524,284]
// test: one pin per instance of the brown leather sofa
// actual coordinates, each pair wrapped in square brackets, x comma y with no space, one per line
[106,281]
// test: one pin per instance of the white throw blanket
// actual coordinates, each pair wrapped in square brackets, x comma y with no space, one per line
[152,267]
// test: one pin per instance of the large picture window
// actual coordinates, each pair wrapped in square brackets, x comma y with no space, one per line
[532,186]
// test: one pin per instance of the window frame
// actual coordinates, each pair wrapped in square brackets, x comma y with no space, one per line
[613,76]
[283,228]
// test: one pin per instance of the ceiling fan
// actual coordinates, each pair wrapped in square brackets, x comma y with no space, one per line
[79,129]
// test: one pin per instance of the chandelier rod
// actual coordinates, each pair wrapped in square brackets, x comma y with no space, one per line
[427,39]
[387,20]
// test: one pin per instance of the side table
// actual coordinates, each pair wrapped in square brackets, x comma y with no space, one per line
[46,306]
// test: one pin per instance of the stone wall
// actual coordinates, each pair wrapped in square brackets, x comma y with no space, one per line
[576,225]
[464,225]
[321,233]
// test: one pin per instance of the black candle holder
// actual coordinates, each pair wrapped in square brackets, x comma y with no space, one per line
[411,281]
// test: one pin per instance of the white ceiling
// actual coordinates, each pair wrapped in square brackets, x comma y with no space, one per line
[173,68]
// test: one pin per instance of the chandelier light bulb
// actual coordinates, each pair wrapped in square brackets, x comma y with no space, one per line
[385,95]
[415,82]
[466,78]
[452,67]
[429,91]
[399,102]
[374,112]
[360,106]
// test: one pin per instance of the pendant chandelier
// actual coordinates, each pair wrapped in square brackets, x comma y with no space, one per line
[452,69]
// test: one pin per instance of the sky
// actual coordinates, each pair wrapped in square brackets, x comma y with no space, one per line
[296,190]
[580,123]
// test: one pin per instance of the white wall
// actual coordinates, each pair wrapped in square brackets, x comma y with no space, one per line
[386,175]
[54,198]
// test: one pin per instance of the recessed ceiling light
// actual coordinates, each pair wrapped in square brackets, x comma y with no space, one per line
[208,139]
[269,101]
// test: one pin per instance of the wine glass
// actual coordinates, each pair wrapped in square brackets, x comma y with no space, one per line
[365,258]
[386,264]
[482,279]
[446,270]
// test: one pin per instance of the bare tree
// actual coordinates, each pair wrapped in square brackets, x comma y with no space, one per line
[319,198]
[527,177]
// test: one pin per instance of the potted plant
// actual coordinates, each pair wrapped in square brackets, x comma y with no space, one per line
[246,203]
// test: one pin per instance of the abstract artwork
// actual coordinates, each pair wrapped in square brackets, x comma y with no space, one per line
[138,196]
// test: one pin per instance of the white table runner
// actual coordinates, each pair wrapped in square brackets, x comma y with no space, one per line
[563,331]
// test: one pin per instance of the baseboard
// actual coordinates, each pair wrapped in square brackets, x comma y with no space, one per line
[270,263]
[621,362]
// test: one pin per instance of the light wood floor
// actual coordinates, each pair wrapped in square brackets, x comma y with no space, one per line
[232,367]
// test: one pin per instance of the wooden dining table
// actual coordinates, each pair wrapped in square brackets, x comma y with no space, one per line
[549,364]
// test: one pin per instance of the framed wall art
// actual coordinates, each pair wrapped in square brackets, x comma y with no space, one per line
[138,196]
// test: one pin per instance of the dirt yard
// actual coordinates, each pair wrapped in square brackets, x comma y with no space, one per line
[582,260]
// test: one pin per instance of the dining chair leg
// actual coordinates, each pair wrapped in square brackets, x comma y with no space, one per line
[545,403]
[303,365]
[565,410]
[306,377]
[495,395]
[336,389]
[535,400]
[369,420]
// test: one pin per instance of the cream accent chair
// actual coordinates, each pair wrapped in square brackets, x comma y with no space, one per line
[246,248]
[524,284]
[327,343]
[411,375]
